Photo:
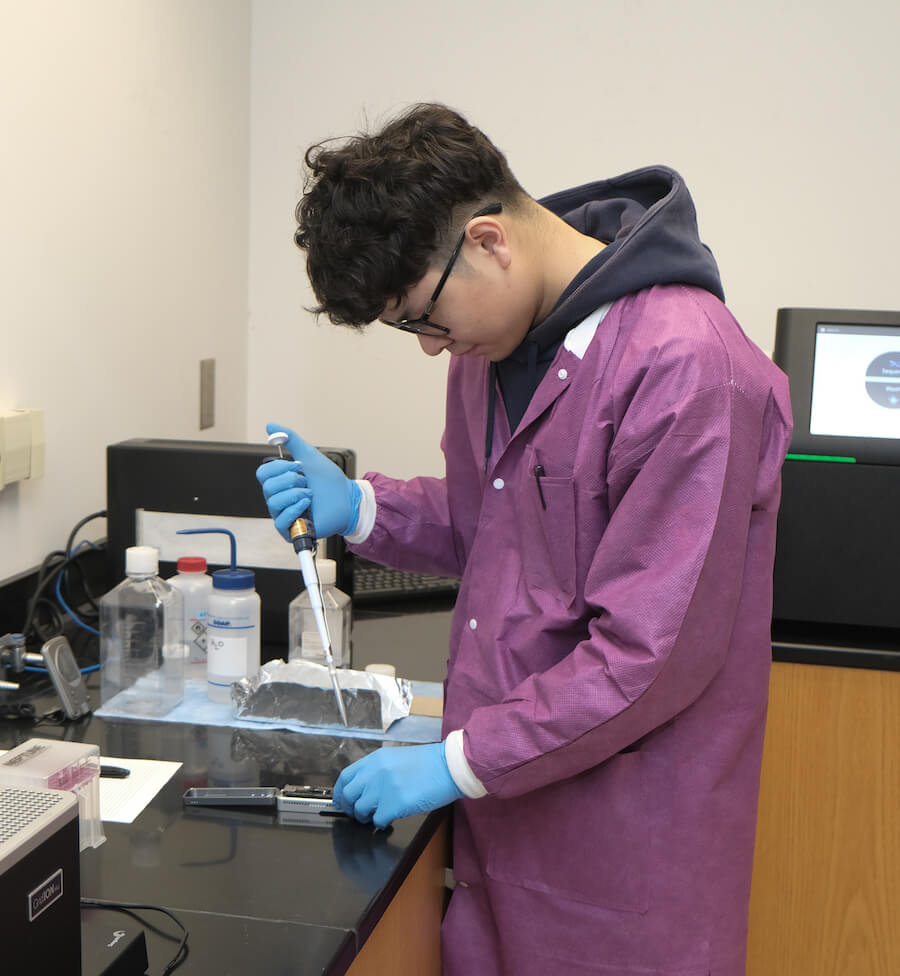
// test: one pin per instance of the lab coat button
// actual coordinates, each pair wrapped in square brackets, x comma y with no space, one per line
[498,483]
[562,374]
[473,623]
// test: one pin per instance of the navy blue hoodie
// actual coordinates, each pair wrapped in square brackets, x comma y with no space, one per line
[648,222]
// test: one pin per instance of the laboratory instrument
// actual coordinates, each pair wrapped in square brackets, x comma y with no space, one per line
[835,576]
[39,881]
[51,764]
[308,799]
[14,656]
[230,796]
[292,798]
[304,542]
[57,657]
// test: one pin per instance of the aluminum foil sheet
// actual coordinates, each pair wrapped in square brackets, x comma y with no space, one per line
[301,691]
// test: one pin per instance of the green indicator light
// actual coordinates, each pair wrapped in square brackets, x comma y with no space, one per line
[821,457]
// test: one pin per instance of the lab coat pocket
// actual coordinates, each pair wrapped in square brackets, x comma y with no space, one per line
[547,529]
[585,838]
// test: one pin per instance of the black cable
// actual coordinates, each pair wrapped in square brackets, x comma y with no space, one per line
[69,596]
[55,620]
[83,522]
[88,596]
[76,565]
[180,954]
[53,564]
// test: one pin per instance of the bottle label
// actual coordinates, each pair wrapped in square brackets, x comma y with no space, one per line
[227,656]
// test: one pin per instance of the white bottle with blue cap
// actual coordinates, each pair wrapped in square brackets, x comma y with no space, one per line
[232,627]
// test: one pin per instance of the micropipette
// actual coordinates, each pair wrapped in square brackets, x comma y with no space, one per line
[304,541]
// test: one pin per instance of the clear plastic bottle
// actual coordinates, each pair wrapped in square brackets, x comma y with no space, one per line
[142,651]
[195,585]
[303,633]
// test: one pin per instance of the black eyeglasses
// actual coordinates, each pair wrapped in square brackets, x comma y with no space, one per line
[422,325]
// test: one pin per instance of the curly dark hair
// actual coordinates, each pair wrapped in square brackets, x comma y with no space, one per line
[380,209]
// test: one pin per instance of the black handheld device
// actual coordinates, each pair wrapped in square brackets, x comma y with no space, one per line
[66,677]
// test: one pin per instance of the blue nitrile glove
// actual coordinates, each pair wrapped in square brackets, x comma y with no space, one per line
[291,487]
[396,781]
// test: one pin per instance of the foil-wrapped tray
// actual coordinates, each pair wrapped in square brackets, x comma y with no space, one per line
[301,691]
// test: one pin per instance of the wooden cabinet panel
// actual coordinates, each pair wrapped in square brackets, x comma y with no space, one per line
[407,939]
[825,899]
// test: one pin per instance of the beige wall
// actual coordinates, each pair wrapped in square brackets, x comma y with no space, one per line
[150,164]
[782,117]
[123,253]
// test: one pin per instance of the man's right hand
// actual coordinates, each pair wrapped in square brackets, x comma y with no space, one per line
[309,484]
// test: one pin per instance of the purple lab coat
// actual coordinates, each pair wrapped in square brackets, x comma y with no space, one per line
[610,649]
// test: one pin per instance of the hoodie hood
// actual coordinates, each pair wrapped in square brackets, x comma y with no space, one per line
[648,222]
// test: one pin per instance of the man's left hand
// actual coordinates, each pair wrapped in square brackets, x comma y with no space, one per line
[396,782]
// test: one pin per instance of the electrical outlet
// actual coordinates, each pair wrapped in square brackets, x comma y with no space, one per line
[21,445]
[207,393]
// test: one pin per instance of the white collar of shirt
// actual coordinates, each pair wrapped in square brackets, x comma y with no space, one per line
[579,338]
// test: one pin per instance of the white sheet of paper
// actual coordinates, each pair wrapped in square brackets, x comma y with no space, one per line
[121,800]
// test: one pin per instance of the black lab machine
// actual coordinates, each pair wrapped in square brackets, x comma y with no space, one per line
[837,572]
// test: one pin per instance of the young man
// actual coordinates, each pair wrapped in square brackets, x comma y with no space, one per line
[613,449]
